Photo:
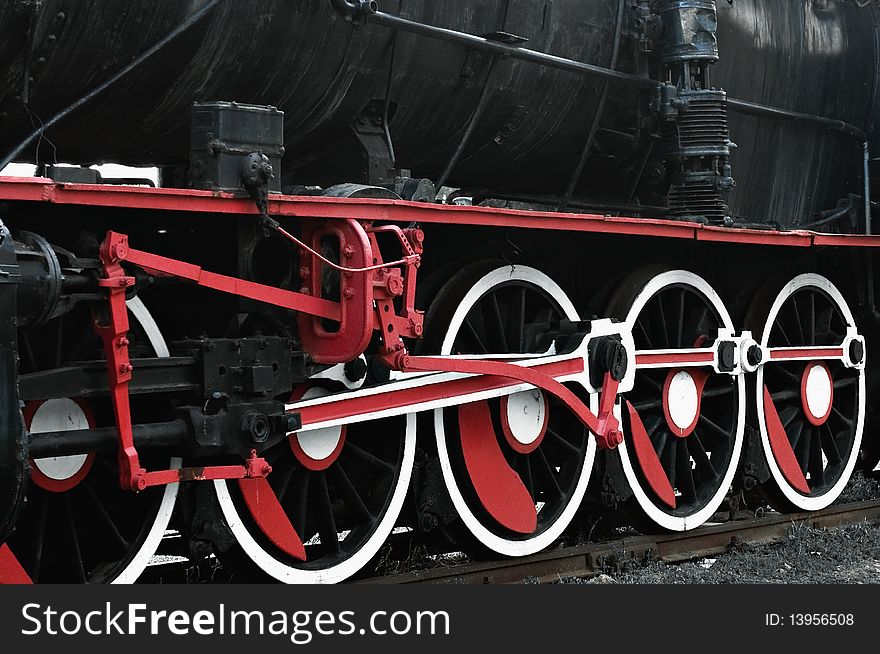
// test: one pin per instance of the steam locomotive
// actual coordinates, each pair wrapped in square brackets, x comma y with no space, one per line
[443,272]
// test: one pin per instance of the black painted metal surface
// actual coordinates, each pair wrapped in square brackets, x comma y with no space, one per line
[817,56]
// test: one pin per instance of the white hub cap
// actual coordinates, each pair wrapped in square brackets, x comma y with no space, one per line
[60,415]
[818,393]
[318,449]
[524,418]
[320,444]
[682,400]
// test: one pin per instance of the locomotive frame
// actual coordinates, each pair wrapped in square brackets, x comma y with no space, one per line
[529,408]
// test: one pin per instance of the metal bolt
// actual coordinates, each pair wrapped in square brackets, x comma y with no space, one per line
[122,341]
[349,292]
[348,251]
[856,352]
[125,368]
[754,356]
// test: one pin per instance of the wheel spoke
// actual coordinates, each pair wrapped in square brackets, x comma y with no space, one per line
[102,511]
[644,375]
[837,414]
[781,369]
[802,451]
[817,466]
[679,332]
[785,396]
[845,383]
[352,498]
[40,539]
[662,440]
[685,473]
[518,320]
[326,522]
[524,469]
[284,485]
[714,427]
[75,550]
[797,320]
[718,392]
[567,445]
[829,446]
[500,325]
[787,415]
[301,503]
[648,405]
[649,342]
[781,330]
[548,473]
[811,322]
[796,434]
[661,312]
[701,456]
[370,459]
[669,461]
[478,341]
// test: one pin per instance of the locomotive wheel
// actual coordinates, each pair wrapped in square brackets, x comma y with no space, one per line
[810,413]
[683,427]
[78,526]
[517,467]
[341,488]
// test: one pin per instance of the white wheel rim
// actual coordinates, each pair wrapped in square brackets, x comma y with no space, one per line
[663,518]
[803,502]
[341,571]
[141,559]
[506,546]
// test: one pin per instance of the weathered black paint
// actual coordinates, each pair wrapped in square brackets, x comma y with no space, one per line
[817,56]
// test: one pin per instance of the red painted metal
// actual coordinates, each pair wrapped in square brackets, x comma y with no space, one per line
[369,210]
[270,517]
[114,334]
[674,358]
[499,488]
[700,378]
[781,447]
[605,426]
[254,467]
[391,284]
[345,407]
[364,281]
[510,437]
[807,353]
[11,571]
[816,421]
[37,476]
[163,266]
[351,335]
[113,330]
[647,459]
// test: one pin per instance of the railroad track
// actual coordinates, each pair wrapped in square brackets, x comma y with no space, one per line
[593,558]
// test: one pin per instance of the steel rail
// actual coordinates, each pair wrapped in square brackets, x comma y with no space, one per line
[591,559]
